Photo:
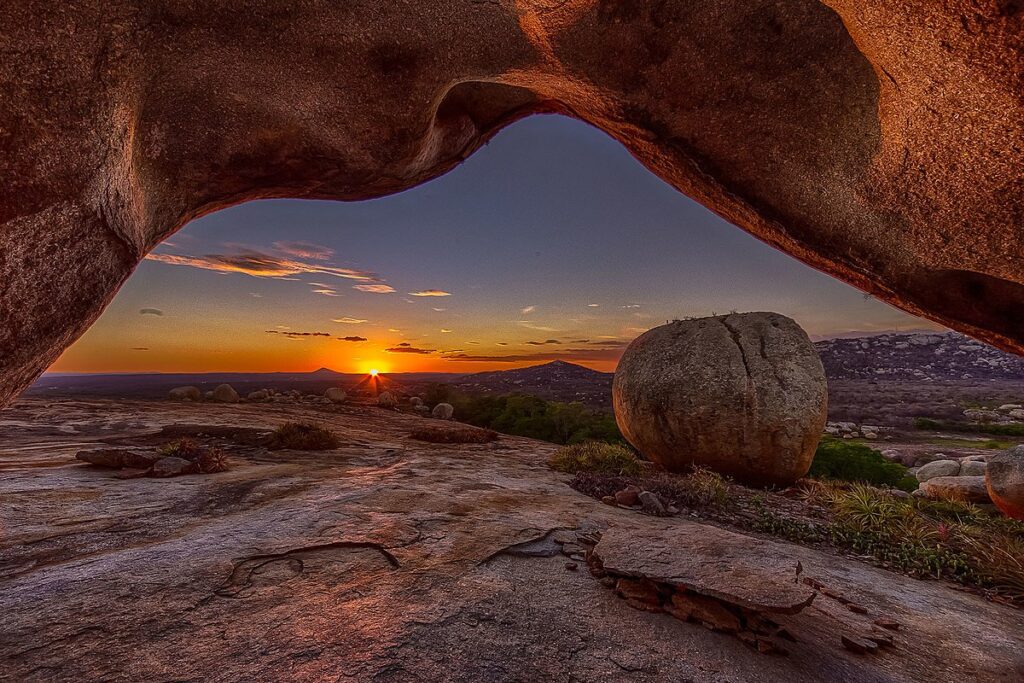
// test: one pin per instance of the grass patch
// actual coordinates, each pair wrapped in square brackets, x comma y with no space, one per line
[204,459]
[701,489]
[302,436]
[985,444]
[855,462]
[596,458]
[454,434]
[928,424]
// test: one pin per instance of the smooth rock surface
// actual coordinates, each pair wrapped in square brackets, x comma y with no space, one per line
[938,468]
[878,141]
[742,394]
[1004,479]
[397,560]
[171,467]
[118,458]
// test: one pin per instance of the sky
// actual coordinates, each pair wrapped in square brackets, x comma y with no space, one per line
[551,242]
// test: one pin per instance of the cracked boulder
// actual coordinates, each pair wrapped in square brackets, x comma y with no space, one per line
[742,394]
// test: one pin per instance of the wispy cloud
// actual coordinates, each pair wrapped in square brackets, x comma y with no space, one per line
[573,354]
[326,292]
[347,320]
[445,330]
[258,264]
[297,335]
[375,289]
[440,310]
[150,311]
[140,348]
[528,310]
[304,250]
[593,305]
[351,339]
[543,343]
[430,292]
[405,348]
[532,326]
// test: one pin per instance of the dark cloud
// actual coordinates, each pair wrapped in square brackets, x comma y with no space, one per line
[140,348]
[351,339]
[150,311]
[408,349]
[296,335]
[259,264]
[405,344]
[546,342]
[304,250]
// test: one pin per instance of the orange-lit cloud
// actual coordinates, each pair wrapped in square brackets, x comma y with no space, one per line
[407,348]
[430,292]
[375,289]
[347,320]
[351,339]
[257,264]
[544,343]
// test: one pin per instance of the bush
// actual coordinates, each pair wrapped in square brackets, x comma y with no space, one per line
[529,416]
[928,424]
[302,436]
[454,434]
[598,458]
[855,462]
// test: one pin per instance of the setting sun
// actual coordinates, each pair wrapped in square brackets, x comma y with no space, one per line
[374,373]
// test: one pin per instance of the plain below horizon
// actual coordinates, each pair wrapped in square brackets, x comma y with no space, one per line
[552,242]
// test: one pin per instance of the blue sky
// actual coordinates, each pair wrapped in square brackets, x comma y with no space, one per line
[551,242]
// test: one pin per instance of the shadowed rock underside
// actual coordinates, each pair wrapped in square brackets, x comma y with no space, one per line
[878,141]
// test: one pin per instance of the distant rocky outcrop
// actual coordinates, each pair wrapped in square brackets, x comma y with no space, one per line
[742,394]
[922,356]
[336,395]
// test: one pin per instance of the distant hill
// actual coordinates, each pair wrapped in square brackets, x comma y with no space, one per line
[921,357]
[557,380]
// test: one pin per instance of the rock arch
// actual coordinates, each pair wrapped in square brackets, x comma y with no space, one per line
[881,142]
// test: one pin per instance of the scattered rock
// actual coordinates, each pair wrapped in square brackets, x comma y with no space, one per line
[415,401]
[387,400]
[938,468]
[1004,479]
[888,623]
[118,458]
[748,572]
[185,394]
[628,496]
[608,500]
[171,467]
[639,593]
[742,394]
[972,468]
[422,410]
[709,612]
[859,645]
[965,489]
[982,416]
[336,395]
[225,393]
[652,504]
[443,411]
[258,395]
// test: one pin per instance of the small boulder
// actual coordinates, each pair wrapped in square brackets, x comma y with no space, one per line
[225,393]
[336,395]
[118,458]
[1017,414]
[443,411]
[260,395]
[965,489]
[1004,478]
[387,400]
[628,496]
[171,467]
[938,468]
[415,400]
[651,504]
[422,409]
[185,394]
[972,468]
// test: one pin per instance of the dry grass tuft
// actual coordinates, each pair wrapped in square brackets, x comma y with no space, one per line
[454,434]
[205,459]
[597,458]
[302,436]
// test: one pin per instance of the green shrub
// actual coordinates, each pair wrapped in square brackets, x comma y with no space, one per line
[1011,429]
[855,462]
[302,436]
[598,458]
